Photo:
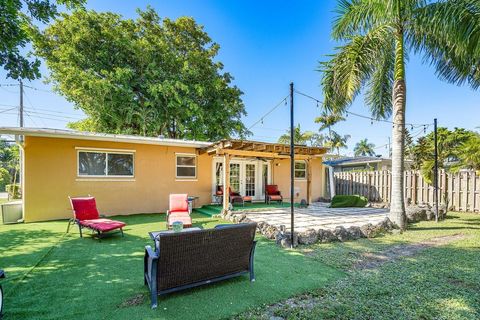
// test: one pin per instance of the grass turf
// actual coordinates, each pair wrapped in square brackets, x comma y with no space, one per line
[53,275]
[437,283]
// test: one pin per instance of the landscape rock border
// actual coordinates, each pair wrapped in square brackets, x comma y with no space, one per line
[311,236]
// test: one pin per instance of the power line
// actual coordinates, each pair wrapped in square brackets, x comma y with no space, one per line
[363,116]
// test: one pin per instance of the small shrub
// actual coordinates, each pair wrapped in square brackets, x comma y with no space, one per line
[5,178]
[346,201]
[14,191]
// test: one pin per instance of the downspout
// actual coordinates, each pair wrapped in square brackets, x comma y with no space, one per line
[20,141]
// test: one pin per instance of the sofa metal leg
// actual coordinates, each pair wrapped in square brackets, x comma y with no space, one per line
[80,229]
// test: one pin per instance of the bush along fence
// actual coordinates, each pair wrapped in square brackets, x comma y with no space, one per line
[457,191]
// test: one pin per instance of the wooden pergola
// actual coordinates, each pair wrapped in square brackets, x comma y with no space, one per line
[255,149]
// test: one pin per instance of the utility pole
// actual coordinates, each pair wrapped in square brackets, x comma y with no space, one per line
[435,173]
[292,167]
[389,148]
[21,104]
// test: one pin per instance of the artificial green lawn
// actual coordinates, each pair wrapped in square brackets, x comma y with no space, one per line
[440,282]
[52,275]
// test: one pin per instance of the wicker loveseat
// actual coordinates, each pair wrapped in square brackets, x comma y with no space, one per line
[188,259]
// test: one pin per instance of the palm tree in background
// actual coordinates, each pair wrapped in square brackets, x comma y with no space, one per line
[299,137]
[364,148]
[377,36]
[337,141]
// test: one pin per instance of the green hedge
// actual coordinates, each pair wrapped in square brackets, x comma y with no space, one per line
[14,191]
[346,201]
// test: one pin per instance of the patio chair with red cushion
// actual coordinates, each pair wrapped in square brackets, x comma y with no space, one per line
[232,195]
[273,194]
[178,210]
[85,215]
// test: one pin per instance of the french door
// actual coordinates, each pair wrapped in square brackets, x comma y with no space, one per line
[247,177]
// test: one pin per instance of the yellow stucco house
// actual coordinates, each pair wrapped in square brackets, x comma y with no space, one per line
[133,174]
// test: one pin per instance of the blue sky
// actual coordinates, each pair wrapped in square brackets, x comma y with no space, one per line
[265,45]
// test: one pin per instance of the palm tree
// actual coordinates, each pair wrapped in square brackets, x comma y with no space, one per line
[299,137]
[377,36]
[364,148]
[337,141]
[327,120]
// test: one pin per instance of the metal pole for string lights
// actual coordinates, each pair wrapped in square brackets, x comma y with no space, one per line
[292,167]
[435,173]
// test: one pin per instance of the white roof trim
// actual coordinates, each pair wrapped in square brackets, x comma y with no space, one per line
[71,134]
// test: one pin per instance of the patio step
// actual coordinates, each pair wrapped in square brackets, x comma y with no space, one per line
[208,210]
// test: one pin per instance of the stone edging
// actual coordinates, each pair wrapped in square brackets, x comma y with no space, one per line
[311,236]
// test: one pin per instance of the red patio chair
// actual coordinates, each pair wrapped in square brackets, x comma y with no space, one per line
[232,196]
[178,210]
[86,215]
[272,193]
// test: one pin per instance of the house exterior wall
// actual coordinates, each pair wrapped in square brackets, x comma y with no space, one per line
[51,176]
[281,177]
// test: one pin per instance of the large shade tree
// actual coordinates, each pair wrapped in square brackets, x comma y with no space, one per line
[16,19]
[148,76]
[376,38]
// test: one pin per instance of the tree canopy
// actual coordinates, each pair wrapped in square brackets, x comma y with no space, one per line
[148,76]
[16,20]
[456,149]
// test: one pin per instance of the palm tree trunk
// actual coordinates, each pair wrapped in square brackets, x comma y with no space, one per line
[399,92]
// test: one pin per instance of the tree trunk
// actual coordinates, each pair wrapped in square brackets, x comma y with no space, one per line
[399,92]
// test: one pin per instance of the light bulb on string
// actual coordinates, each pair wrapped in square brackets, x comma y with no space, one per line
[424,129]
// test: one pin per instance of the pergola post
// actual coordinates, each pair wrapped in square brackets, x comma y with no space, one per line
[309,182]
[226,182]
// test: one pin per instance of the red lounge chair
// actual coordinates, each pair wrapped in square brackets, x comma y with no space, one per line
[86,215]
[178,210]
[273,194]
[232,196]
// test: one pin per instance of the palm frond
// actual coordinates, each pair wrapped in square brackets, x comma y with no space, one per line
[356,17]
[378,96]
[448,34]
[351,66]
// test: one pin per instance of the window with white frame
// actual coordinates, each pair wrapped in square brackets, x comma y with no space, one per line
[186,166]
[300,170]
[99,163]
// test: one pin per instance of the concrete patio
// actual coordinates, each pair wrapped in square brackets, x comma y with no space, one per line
[319,216]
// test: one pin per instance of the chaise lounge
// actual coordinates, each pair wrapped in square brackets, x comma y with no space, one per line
[178,211]
[85,215]
[189,259]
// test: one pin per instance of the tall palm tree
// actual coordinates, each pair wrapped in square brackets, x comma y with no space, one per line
[376,37]
[364,148]
[299,137]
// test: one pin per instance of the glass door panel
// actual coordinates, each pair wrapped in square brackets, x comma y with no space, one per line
[250,180]
[235,177]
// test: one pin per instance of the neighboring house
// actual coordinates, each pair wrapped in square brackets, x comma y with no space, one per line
[133,174]
[360,164]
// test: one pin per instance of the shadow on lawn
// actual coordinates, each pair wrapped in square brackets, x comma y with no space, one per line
[81,277]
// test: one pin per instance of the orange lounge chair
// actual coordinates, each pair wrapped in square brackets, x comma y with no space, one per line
[178,210]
